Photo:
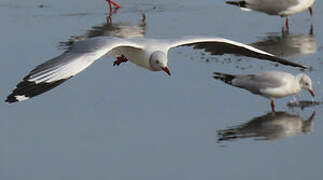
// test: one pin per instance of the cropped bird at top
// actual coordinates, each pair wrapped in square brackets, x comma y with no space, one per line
[283,8]
[270,84]
[150,54]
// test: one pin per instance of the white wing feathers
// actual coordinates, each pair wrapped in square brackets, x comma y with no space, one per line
[195,40]
[81,55]
[55,71]
[220,46]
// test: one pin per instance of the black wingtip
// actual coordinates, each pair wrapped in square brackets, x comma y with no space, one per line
[286,62]
[227,78]
[237,3]
[27,89]
[11,99]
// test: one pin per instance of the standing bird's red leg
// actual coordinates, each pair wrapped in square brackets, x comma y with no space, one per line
[113,3]
[109,2]
[311,13]
[109,17]
[310,10]
[272,104]
[287,24]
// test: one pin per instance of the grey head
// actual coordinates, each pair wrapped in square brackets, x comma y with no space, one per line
[158,61]
[305,82]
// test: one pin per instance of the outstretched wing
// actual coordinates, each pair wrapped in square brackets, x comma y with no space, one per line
[57,70]
[220,46]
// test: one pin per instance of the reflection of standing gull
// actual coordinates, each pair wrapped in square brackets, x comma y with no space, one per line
[288,45]
[150,54]
[283,8]
[274,125]
[121,30]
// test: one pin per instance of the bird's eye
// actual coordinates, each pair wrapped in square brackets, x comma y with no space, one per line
[306,84]
[157,62]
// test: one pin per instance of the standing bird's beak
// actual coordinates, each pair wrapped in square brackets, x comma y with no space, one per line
[311,92]
[166,70]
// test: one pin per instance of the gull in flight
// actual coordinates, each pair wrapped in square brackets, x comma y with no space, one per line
[150,54]
[270,84]
[282,8]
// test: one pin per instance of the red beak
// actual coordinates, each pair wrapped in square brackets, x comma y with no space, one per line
[166,70]
[311,92]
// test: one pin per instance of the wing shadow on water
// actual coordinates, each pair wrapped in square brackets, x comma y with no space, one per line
[288,45]
[121,30]
[271,126]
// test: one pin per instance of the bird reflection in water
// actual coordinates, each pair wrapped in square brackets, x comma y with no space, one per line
[288,45]
[303,104]
[271,126]
[121,30]
[109,15]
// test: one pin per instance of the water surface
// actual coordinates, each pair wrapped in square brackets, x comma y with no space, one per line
[129,123]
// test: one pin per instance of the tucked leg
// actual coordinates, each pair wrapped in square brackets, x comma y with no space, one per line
[311,11]
[120,59]
[272,104]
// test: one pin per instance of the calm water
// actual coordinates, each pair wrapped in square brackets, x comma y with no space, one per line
[128,123]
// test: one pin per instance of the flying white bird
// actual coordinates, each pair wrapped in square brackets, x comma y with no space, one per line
[282,8]
[150,54]
[270,84]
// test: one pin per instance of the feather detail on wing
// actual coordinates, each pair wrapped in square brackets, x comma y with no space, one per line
[253,82]
[57,70]
[220,46]
[256,83]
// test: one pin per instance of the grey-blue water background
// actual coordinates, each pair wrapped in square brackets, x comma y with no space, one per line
[128,123]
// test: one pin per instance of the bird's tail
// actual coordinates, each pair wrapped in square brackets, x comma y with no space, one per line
[227,78]
[241,4]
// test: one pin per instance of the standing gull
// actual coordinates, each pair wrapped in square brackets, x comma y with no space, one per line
[150,54]
[270,84]
[283,8]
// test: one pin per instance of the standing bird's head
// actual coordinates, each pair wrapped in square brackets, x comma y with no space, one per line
[158,61]
[305,82]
